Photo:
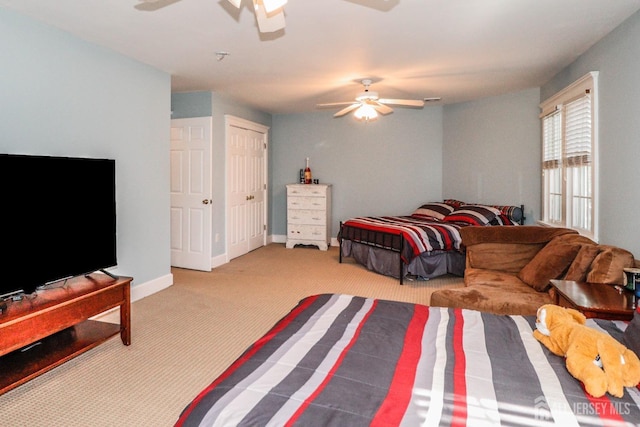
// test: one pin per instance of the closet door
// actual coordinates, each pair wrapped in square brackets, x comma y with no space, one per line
[246,186]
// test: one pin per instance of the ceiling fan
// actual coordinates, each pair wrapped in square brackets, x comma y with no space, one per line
[269,13]
[367,104]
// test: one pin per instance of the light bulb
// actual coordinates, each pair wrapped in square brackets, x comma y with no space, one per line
[366,112]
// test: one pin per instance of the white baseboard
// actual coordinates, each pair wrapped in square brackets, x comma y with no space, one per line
[219,260]
[279,238]
[137,293]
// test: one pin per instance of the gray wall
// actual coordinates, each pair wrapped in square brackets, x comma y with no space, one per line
[492,151]
[62,96]
[385,167]
[617,58]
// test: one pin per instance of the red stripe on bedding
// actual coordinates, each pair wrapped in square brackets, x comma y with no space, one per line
[250,352]
[400,391]
[459,415]
[334,368]
[602,407]
[391,230]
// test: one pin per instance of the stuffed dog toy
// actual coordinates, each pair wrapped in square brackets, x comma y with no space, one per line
[593,357]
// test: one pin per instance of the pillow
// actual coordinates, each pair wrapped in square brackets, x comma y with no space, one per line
[631,336]
[608,264]
[473,214]
[512,213]
[454,203]
[435,210]
[580,266]
[549,263]
[503,220]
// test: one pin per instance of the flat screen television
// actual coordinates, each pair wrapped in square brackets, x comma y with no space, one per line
[58,219]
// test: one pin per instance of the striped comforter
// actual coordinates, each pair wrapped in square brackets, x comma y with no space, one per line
[420,234]
[349,361]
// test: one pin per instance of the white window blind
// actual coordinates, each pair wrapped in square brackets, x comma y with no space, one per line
[551,167]
[569,121]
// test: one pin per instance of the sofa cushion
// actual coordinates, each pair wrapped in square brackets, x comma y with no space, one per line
[511,234]
[514,298]
[509,257]
[550,263]
[608,264]
[581,264]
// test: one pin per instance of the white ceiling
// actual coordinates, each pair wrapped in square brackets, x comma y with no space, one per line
[456,49]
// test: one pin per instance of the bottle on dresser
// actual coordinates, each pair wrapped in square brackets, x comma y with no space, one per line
[307,173]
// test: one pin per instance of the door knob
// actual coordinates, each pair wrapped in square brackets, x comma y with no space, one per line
[207,201]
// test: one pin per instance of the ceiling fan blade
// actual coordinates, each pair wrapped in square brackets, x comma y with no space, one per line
[346,110]
[269,22]
[334,104]
[381,108]
[404,102]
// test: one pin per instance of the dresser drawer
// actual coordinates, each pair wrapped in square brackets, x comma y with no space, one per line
[306,232]
[307,217]
[309,190]
[317,203]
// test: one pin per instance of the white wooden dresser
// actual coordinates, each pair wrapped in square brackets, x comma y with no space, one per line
[309,215]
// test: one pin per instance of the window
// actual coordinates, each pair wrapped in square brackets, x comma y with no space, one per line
[569,134]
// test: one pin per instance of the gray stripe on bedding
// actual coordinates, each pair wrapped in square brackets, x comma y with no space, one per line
[225,391]
[247,374]
[608,327]
[313,368]
[361,382]
[514,378]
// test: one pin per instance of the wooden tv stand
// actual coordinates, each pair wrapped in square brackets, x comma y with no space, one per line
[51,326]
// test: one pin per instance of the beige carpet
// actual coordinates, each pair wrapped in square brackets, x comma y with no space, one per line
[184,336]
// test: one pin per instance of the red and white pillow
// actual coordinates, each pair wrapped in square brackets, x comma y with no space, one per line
[473,214]
[433,210]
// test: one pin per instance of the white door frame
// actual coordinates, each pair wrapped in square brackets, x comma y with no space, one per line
[230,120]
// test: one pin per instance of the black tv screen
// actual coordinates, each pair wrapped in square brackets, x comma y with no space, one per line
[58,219]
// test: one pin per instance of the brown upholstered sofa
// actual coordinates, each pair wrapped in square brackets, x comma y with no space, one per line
[508,268]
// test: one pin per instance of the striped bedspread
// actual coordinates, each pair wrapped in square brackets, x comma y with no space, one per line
[420,234]
[338,360]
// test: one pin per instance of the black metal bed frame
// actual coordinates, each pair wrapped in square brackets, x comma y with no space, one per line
[382,238]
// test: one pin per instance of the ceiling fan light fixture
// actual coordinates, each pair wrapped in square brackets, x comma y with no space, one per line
[366,112]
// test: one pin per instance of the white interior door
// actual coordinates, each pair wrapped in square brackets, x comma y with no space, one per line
[246,186]
[256,172]
[191,193]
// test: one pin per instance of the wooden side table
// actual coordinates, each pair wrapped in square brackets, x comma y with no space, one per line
[595,299]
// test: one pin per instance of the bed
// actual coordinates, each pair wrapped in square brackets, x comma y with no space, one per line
[341,360]
[422,245]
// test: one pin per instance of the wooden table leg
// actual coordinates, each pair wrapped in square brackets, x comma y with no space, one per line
[125,316]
